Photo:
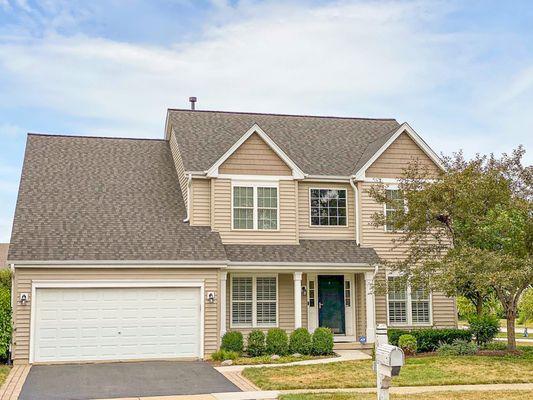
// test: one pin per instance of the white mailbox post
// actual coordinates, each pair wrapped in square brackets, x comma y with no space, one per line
[389,360]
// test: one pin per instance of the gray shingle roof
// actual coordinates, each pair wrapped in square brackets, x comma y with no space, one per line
[319,251]
[318,145]
[84,198]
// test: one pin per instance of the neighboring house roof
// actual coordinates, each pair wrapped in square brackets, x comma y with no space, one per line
[317,145]
[3,254]
[85,198]
[312,251]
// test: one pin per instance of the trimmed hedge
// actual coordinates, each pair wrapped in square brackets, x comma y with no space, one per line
[484,328]
[300,341]
[232,341]
[256,343]
[5,314]
[322,341]
[430,339]
[277,342]
[408,344]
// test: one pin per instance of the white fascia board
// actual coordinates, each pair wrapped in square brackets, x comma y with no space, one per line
[297,173]
[405,127]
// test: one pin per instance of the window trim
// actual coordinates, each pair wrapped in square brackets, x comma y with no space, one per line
[409,310]
[254,323]
[255,184]
[391,187]
[328,226]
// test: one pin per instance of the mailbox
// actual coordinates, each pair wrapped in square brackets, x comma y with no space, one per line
[390,359]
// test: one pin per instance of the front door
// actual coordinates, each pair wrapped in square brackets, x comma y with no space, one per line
[331,303]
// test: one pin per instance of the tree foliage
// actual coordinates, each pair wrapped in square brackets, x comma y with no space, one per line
[469,232]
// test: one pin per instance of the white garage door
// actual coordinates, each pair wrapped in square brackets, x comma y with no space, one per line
[83,324]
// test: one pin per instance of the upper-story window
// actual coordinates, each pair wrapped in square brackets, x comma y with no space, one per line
[328,207]
[392,207]
[255,206]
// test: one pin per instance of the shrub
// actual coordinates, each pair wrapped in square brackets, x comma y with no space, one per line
[232,341]
[484,328]
[322,341]
[5,278]
[277,342]
[458,348]
[430,339]
[465,308]
[300,341]
[223,355]
[256,343]
[408,344]
[5,323]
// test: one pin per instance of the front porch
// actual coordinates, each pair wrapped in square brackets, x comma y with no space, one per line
[340,299]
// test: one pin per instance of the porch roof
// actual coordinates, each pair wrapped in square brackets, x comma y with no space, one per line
[308,251]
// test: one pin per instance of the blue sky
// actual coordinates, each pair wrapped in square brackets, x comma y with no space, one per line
[461,73]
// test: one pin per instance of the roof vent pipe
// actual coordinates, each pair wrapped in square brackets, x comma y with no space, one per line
[193,102]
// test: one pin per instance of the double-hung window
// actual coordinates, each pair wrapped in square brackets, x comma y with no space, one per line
[255,206]
[407,306]
[328,207]
[393,205]
[254,301]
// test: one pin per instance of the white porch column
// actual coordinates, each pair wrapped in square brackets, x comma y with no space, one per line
[222,300]
[370,308]
[297,300]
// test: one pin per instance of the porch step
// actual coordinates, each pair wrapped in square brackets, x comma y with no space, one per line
[352,346]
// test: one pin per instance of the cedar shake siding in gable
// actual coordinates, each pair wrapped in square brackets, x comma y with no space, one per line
[255,157]
[287,233]
[397,157]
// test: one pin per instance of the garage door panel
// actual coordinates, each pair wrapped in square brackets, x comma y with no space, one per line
[78,324]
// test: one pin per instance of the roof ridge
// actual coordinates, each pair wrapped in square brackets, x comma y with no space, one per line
[281,115]
[90,136]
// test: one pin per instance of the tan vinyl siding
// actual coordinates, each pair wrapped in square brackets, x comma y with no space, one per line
[287,217]
[255,157]
[201,202]
[360,298]
[285,305]
[376,237]
[178,163]
[306,231]
[397,157]
[25,276]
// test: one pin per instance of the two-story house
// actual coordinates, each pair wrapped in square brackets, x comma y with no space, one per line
[129,249]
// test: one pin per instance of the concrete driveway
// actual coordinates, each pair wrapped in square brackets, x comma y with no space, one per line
[119,380]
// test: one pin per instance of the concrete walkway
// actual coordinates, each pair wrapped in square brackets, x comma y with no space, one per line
[274,394]
[344,355]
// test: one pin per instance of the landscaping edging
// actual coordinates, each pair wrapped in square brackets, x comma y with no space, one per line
[342,355]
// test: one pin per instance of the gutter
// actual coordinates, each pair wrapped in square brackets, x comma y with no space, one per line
[189,181]
[356,203]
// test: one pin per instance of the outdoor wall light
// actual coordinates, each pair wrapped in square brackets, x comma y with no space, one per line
[304,291]
[23,299]
[211,297]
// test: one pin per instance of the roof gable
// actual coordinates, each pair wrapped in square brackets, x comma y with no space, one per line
[255,130]
[328,146]
[377,152]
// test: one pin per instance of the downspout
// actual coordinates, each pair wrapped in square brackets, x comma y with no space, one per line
[189,181]
[356,203]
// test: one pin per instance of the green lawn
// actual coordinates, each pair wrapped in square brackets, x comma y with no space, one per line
[4,372]
[496,395]
[418,371]
[268,360]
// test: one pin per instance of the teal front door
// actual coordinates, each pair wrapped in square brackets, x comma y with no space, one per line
[331,303]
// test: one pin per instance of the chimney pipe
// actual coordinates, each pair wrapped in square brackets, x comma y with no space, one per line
[193,102]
